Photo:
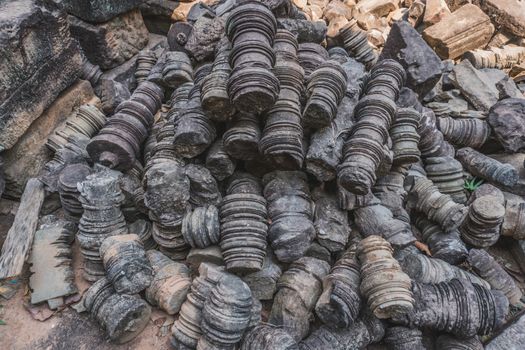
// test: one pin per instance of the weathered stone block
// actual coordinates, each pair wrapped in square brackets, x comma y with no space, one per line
[466,29]
[99,10]
[509,14]
[38,59]
[423,66]
[28,156]
[111,43]
[379,8]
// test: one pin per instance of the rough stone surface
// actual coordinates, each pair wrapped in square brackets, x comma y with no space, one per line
[466,29]
[475,86]
[435,11]
[111,43]
[512,335]
[423,66]
[35,49]
[204,37]
[99,10]
[509,14]
[125,73]
[306,31]
[29,154]
[507,119]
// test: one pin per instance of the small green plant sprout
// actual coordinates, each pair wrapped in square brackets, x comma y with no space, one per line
[472,184]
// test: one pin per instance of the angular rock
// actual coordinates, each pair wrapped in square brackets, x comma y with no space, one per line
[98,10]
[507,119]
[111,43]
[435,11]
[27,157]
[36,49]
[510,337]
[423,66]
[306,31]
[379,8]
[475,86]
[466,29]
[204,37]
[509,14]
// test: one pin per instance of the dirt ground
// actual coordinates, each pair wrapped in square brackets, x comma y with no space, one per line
[68,329]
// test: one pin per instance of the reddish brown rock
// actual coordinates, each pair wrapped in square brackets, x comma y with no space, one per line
[466,29]
[509,14]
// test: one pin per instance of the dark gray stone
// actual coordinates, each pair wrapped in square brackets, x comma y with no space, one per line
[507,119]
[306,31]
[38,60]
[98,10]
[204,37]
[423,66]
[111,43]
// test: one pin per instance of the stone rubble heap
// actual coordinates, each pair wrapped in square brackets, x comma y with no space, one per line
[274,174]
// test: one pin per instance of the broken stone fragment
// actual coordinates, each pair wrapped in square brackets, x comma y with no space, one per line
[465,29]
[457,307]
[226,314]
[423,66]
[447,175]
[263,284]
[306,31]
[29,156]
[126,264]
[37,49]
[501,58]
[490,270]
[379,8]
[510,336]
[508,122]
[401,338]
[101,198]
[355,42]
[111,43]
[481,227]
[440,208]
[340,303]
[509,14]
[266,336]
[186,330]
[373,217]
[298,290]
[170,285]
[488,168]
[212,255]
[435,11]
[425,269]
[461,132]
[446,246]
[385,286]
[367,330]
[475,85]
[122,316]
[291,213]
[244,227]
[98,10]
[204,37]
[200,227]
[51,261]
[69,177]
[330,222]
[364,149]
[416,13]
[450,342]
